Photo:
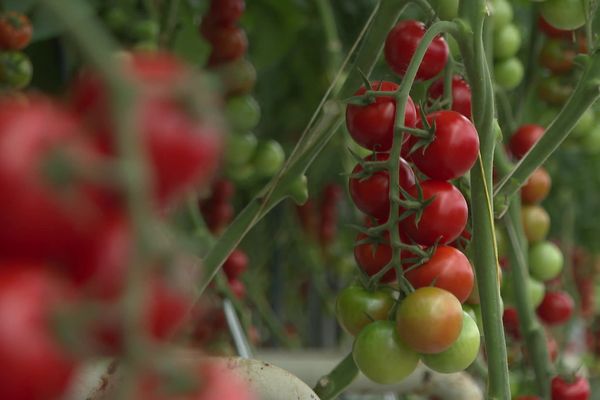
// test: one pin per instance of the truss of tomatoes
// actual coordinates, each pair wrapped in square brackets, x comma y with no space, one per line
[393,332]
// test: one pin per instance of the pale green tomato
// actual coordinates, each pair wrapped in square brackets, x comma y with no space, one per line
[509,73]
[545,261]
[507,41]
[502,13]
[585,124]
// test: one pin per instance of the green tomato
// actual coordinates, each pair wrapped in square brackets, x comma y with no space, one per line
[446,9]
[381,355]
[144,30]
[545,261]
[15,69]
[356,307]
[268,159]
[507,42]
[474,311]
[591,142]
[502,13]
[509,73]
[536,223]
[461,354]
[240,148]
[564,14]
[298,189]
[535,290]
[585,124]
[243,113]
[242,174]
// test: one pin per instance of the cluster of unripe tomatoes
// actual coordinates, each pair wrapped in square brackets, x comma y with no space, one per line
[15,67]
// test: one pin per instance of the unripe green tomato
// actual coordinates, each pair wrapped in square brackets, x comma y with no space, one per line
[545,261]
[242,174]
[474,310]
[446,9]
[243,113]
[502,13]
[591,142]
[298,190]
[564,14]
[535,290]
[356,307]
[268,159]
[509,73]
[536,223]
[507,42]
[15,69]
[144,30]
[240,148]
[585,124]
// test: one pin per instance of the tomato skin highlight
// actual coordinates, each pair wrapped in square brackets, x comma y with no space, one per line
[454,148]
[461,94]
[357,307]
[578,389]
[372,125]
[556,308]
[524,139]
[402,42]
[429,320]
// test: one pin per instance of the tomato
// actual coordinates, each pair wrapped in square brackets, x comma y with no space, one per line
[454,148]
[268,158]
[448,269]
[502,13]
[563,14]
[461,353]
[243,113]
[357,307]
[238,77]
[381,355]
[556,308]
[298,191]
[557,57]
[545,261]
[402,42]
[240,148]
[15,30]
[445,9]
[537,187]
[372,257]
[524,138]
[461,94]
[510,319]
[535,291]
[229,43]
[509,73]
[372,125]
[238,288]
[536,223]
[577,388]
[15,70]
[236,264]
[443,219]
[226,12]
[429,320]
[554,91]
[36,365]
[551,31]
[371,193]
[507,41]
[586,123]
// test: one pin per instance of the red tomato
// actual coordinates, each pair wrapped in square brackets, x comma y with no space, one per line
[556,308]
[551,31]
[461,94]
[537,187]
[401,44]
[372,125]
[238,288]
[576,389]
[229,43]
[373,257]
[524,139]
[443,219]
[222,190]
[226,12]
[454,148]
[15,30]
[371,194]
[448,269]
[510,319]
[35,365]
[236,264]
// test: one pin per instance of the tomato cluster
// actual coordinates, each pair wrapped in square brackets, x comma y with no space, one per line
[508,68]
[16,70]
[133,26]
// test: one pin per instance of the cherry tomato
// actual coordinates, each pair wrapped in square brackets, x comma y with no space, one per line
[371,193]
[536,223]
[461,353]
[563,14]
[577,388]
[461,94]
[372,125]
[373,257]
[502,13]
[509,73]
[554,91]
[443,219]
[238,288]
[381,355]
[15,70]
[507,41]
[357,307]
[236,264]
[551,31]
[15,30]
[545,261]
[429,320]
[229,43]
[537,187]
[243,113]
[226,12]
[586,123]
[448,269]
[268,158]
[238,77]
[35,364]
[445,9]
[510,319]
[557,57]
[454,148]
[535,291]
[240,148]
[524,138]
[401,44]
[556,308]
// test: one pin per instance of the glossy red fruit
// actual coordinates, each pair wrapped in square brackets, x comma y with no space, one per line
[226,12]
[372,257]
[447,269]
[236,264]
[556,308]
[524,139]
[15,30]
[454,148]
[371,193]
[576,389]
[238,288]
[537,187]
[35,365]
[372,125]
[510,320]
[443,220]
[229,43]
[461,94]
[401,44]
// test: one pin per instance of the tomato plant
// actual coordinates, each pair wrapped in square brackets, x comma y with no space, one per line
[357,307]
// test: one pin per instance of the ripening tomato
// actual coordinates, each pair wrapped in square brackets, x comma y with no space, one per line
[524,138]
[15,30]
[454,148]
[16,70]
[429,320]
[356,307]
[372,257]
[556,308]
[461,94]
[35,364]
[381,355]
[229,43]
[555,91]
[536,223]
[557,56]
[563,14]
[551,31]
[238,77]
[444,219]
[371,194]
[372,125]
[236,264]
[448,269]
[545,261]
[402,42]
[537,187]
[577,388]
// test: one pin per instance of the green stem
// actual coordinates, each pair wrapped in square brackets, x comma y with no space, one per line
[332,39]
[332,384]
[170,23]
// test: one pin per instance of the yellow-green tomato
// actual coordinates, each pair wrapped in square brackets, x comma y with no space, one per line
[564,14]
[507,41]
[585,124]
[356,307]
[269,158]
[536,223]
[545,261]
[502,13]
[509,73]
[535,290]
[380,354]
[243,113]
[240,148]
[445,9]
[461,354]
